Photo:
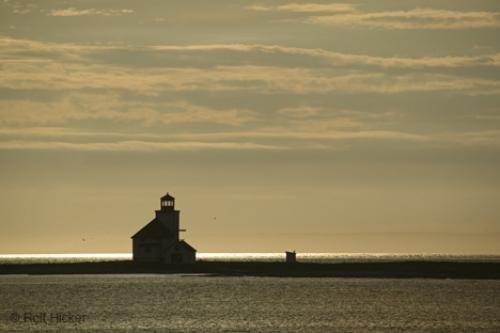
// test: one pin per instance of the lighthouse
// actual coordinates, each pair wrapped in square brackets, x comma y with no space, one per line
[159,241]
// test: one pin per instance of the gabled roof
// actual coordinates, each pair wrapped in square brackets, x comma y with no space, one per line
[154,229]
[183,244]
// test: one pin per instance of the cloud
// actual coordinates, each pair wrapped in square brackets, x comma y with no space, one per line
[72,87]
[244,140]
[418,18]
[306,118]
[285,137]
[15,50]
[311,135]
[476,138]
[133,146]
[347,15]
[51,131]
[340,59]
[21,50]
[256,79]
[52,66]
[78,106]
[305,8]
[21,8]
[300,112]
[71,11]
[482,138]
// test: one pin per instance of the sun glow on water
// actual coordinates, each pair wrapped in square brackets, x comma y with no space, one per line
[63,257]
[258,257]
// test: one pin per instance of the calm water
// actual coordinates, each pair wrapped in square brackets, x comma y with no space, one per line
[187,303]
[199,303]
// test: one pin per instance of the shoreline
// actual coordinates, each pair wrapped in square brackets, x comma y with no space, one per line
[394,269]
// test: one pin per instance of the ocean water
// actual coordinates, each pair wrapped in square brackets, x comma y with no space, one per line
[198,303]
[202,303]
[302,257]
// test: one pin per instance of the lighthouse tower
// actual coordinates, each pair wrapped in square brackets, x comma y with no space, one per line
[168,215]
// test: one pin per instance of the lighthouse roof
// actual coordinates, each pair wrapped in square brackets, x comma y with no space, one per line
[154,229]
[167,197]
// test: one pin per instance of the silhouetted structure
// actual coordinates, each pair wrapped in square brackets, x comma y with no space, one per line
[159,239]
[291,257]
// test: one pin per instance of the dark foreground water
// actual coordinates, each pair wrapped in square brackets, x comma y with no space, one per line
[177,303]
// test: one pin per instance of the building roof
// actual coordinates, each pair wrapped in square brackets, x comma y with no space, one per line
[167,197]
[183,244]
[154,229]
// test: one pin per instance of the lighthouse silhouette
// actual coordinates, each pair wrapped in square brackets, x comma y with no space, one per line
[159,241]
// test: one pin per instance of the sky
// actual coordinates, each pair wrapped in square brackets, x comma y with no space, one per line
[350,126]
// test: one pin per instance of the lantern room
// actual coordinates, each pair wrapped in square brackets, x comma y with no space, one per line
[167,202]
